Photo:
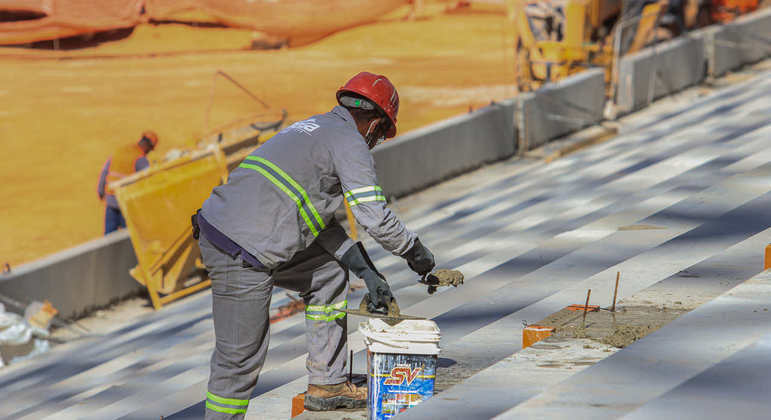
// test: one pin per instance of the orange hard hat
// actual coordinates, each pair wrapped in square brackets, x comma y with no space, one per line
[378,89]
[150,135]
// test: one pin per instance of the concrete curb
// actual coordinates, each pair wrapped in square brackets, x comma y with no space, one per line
[439,151]
[78,279]
[659,71]
[669,67]
[745,41]
[560,108]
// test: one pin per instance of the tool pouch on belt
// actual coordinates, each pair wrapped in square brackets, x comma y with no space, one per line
[196,228]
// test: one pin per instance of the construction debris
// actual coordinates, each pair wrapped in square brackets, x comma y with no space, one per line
[40,315]
[24,337]
[535,333]
[582,308]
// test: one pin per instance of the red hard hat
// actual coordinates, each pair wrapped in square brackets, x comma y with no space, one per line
[378,89]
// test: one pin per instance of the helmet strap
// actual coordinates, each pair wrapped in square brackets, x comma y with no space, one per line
[373,135]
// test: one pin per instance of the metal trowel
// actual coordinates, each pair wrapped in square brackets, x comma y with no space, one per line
[438,278]
[441,278]
[392,317]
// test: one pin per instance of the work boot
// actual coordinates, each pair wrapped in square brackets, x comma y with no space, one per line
[332,397]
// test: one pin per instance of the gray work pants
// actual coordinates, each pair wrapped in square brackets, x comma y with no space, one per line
[241,299]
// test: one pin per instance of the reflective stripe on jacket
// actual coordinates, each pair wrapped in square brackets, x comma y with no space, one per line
[283,196]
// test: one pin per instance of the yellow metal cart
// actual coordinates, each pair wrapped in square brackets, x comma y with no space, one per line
[157,204]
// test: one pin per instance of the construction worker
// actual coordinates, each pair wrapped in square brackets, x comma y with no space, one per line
[273,224]
[126,160]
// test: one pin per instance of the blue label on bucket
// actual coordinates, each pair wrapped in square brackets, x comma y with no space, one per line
[397,382]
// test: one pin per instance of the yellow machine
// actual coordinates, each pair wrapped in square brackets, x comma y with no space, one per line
[157,204]
[555,39]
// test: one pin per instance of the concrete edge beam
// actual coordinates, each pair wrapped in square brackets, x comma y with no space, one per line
[660,70]
[560,108]
[78,279]
[432,154]
[744,41]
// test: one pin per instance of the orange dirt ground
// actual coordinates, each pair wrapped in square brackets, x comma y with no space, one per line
[63,112]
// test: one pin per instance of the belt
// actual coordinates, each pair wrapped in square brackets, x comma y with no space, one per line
[223,243]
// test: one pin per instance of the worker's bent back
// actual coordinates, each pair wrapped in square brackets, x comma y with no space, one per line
[283,195]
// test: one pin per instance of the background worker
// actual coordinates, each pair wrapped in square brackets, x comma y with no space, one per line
[273,224]
[126,160]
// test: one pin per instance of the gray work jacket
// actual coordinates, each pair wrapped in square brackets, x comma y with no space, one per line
[283,196]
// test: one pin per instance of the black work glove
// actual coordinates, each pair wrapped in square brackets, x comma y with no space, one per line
[357,260]
[419,258]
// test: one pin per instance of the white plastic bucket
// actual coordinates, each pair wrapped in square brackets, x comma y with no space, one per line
[401,365]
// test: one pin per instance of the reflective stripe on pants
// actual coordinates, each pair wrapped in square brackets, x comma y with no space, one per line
[326,313]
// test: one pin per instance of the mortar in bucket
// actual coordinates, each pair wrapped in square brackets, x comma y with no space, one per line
[401,365]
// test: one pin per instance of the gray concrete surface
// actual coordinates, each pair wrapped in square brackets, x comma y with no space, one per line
[439,151]
[736,387]
[658,71]
[560,108]
[529,236]
[78,279]
[651,368]
[590,256]
[738,43]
